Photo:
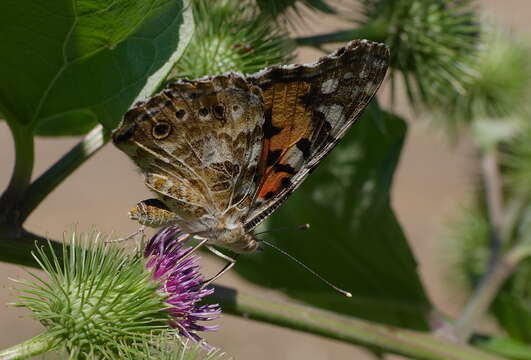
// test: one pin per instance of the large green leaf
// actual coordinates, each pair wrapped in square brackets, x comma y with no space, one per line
[354,240]
[66,65]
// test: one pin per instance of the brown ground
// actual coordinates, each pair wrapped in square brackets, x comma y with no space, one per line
[434,178]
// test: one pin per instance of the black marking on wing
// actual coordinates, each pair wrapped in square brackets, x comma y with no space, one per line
[367,62]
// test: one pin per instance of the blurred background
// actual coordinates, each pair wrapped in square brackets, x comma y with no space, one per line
[434,181]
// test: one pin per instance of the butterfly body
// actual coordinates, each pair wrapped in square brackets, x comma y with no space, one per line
[222,153]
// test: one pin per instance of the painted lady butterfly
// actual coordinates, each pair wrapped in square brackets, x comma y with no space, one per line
[223,152]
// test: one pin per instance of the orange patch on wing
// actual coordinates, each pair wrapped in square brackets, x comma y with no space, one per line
[274,183]
[290,122]
[288,113]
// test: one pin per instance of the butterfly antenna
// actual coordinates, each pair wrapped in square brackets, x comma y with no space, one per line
[300,227]
[341,291]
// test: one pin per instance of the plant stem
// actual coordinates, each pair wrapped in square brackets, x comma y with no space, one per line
[374,31]
[16,246]
[499,267]
[35,346]
[487,290]
[12,198]
[494,200]
[59,171]
[483,296]
[409,343]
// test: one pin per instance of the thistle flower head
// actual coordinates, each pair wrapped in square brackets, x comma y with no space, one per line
[178,272]
[97,298]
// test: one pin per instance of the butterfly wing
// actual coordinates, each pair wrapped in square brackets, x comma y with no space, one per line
[198,143]
[308,108]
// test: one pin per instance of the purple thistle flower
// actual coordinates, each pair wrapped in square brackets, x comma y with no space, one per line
[178,271]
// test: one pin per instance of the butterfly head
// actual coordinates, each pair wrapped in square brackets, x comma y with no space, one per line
[232,237]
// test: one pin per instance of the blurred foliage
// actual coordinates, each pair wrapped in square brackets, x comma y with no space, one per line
[516,159]
[470,240]
[468,237]
[495,98]
[231,36]
[354,239]
[430,41]
[284,8]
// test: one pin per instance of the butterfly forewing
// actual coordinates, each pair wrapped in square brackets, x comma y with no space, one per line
[308,108]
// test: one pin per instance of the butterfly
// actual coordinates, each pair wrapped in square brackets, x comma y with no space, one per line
[222,153]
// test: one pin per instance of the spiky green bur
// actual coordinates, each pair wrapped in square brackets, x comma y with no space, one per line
[167,347]
[229,36]
[495,99]
[95,298]
[429,42]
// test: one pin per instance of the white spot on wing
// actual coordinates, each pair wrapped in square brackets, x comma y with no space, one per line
[333,113]
[364,73]
[348,75]
[329,86]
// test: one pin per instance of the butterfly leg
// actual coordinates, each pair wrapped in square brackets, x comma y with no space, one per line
[232,262]
[140,231]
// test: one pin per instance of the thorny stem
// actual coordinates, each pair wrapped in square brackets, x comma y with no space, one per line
[409,343]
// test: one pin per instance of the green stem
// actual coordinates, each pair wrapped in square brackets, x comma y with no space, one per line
[480,301]
[59,171]
[500,266]
[486,291]
[16,246]
[494,201]
[11,199]
[351,330]
[375,31]
[35,346]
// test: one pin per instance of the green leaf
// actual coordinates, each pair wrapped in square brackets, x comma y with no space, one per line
[82,61]
[507,348]
[355,240]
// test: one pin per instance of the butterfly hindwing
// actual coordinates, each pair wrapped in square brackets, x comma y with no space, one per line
[307,109]
[205,165]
